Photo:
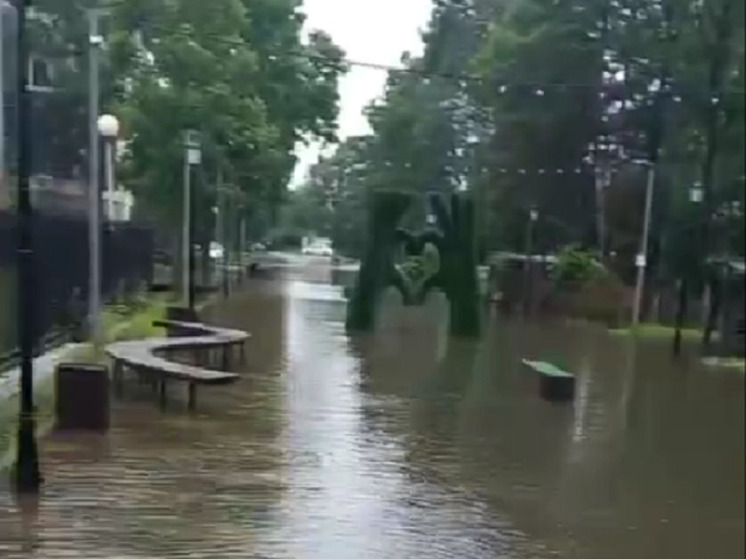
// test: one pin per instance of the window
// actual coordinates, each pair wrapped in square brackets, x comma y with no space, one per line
[40,74]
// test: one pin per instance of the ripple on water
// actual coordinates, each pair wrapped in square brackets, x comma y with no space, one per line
[393,446]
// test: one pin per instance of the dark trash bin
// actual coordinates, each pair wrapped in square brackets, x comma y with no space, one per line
[82,397]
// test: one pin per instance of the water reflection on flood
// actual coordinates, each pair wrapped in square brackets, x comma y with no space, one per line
[403,444]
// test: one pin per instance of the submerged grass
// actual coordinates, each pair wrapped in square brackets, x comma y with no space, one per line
[732,363]
[652,331]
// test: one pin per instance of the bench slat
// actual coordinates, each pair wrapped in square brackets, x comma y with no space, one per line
[146,355]
[546,369]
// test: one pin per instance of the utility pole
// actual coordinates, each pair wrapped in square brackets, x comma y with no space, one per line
[95,40]
[221,262]
[27,475]
[242,244]
[216,240]
[192,156]
[655,141]
[642,255]
[223,239]
[185,240]
[3,10]
[533,217]
[8,27]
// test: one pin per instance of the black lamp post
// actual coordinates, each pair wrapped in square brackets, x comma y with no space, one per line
[696,195]
[192,156]
[533,217]
[26,474]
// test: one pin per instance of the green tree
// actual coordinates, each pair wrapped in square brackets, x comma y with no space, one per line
[241,75]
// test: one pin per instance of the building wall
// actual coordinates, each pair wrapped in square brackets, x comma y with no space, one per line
[58,125]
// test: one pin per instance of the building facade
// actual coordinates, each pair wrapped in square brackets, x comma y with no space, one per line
[58,122]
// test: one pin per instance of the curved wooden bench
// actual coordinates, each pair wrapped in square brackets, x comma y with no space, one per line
[149,357]
[221,337]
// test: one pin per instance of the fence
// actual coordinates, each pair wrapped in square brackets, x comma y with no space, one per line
[61,266]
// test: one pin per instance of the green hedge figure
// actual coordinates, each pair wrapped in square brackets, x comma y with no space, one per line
[443,257]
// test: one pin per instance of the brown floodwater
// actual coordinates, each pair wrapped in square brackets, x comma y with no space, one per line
[402,444]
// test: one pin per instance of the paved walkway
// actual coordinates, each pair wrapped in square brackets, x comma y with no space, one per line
[43,369]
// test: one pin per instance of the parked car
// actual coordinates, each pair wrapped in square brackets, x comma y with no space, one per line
[318,249]
[216,251]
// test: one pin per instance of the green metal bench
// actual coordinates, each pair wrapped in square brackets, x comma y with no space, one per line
[555,385]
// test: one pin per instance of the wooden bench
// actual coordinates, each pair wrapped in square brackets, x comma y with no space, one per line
[149,359]
[554,383]
[223,339]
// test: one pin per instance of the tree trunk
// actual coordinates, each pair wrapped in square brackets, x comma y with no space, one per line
[716,291]
[176,262]
[681,311]
[527,268]
[205,261]
[656,314]
[717,74]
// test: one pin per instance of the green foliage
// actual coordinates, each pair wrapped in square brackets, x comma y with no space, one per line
[602,299]
[387,208]
[443,258]
[657,332]
[502,91]
[137,324]
[577,87]
[240,75]
[135,321]
[416,270]
[238,71]
[576,267]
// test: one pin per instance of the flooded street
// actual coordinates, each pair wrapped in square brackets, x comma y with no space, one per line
[402,444]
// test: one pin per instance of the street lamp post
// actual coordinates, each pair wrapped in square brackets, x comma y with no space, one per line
[5,8]
[26,474]
[242,244]
[108,127]
[95,41]
[192,156]
[219,259]
[533,217]
[641,260]
[696,195]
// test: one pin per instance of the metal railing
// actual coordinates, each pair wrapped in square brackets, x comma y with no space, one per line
[51,340]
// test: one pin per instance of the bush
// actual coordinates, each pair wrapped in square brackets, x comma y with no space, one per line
[584,288]
[600,299]
[576,267]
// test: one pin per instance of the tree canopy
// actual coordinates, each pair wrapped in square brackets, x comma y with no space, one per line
[561,106]
[239,72]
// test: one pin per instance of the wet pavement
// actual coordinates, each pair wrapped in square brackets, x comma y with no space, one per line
[402,444]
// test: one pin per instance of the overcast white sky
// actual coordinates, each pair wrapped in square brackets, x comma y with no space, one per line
[377,31]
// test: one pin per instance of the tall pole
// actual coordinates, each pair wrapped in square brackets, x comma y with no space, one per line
[27,477]
[191,294]
[192,156]
[3,6]
[527,275]
[186,241]
[94,192]
[110,180]
[220,260]
[216,240]
[242,245]
[655,140]
[223,238]
[642,256]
